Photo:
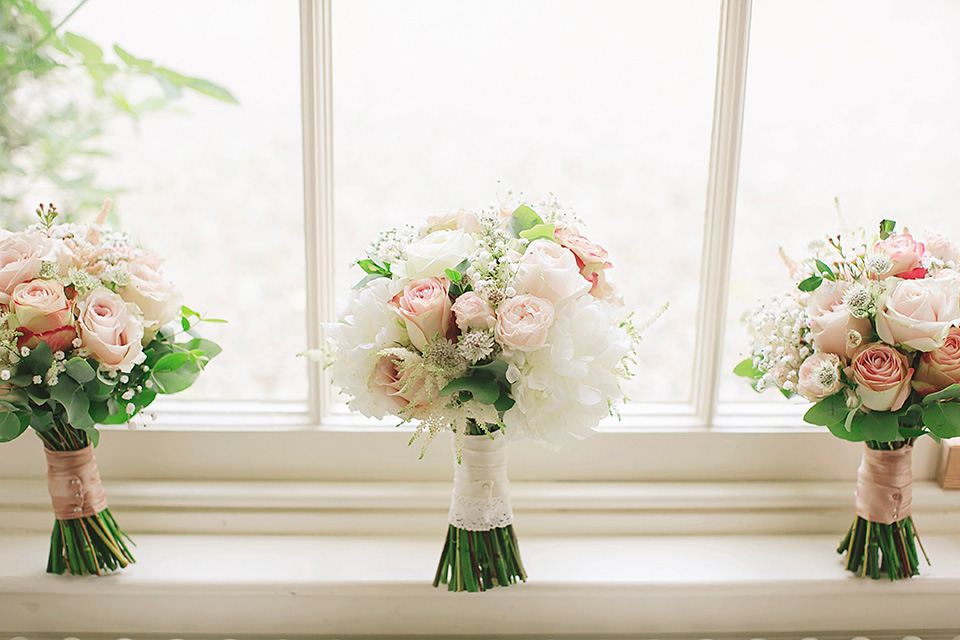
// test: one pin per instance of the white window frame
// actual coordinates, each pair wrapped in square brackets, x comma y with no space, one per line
[701,440]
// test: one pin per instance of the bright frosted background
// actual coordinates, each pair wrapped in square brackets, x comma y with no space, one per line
[605,104]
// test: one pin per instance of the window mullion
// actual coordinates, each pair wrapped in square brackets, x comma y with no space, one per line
[317,114]
[721,203]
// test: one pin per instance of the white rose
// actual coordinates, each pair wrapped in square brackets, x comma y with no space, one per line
[550,271]
[523,323]
[941,246]
[158,299]
[111,329]
[433,254]
[918,314]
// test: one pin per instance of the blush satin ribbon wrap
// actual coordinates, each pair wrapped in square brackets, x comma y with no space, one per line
[74,484]
[481,490]
[885,485]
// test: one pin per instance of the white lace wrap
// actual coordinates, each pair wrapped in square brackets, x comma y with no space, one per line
[481,491]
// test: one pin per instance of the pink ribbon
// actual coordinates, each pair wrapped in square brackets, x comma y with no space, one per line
[885,485]
[74,484]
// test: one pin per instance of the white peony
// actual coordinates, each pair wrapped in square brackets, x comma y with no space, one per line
[433,254]
[566,387]
[367,324]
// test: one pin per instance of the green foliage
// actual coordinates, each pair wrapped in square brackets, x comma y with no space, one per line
[810,284]
[58,93]
[746,369]
[887,228]
[545,231]
[522,219]
[942,418]
[828,412]
[949,393]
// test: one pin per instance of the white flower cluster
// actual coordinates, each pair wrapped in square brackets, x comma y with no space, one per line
[781,341]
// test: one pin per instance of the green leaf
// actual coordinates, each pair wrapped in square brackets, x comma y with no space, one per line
[74,400]
[453,276]
[177,380]
[829,411]
[484,391]
[949,393]
[523,218]
[171,362]
[825,271]
[504,402]
[497,368]
[38,361]
[372,267]
[810,284]
[12,424]
[209,348]
[854,434]
[208,88]
[746,369]
[91,52]
[93,434]
[80,370]
[887,228]
[133,61]
[943,419]
[913,432]
[536,232]
[882,426]
[41,421]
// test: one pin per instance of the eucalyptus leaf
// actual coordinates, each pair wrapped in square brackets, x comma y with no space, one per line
[882,426]
[171,362]
[746,369]
[68,393]
[831,410]
[523,218]
[483,391]
[80,370]
[943,419]
[948,393]
[12,425]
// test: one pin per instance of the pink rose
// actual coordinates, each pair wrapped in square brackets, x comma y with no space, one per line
[392,387]
[425,307]
[43,314]
[110,329]
[904,251]
[473,312]
[918,314]
[819,377]
[549,271]
[157,299]
[588,252]
[940,368]
[21,256]
[882,375]
[831,321]
[523,322]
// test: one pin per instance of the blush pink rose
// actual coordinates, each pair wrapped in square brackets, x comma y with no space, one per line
[425,307]
[941,246]
[391,386]
[43,314]
[21,256]
[549,271]
[111,330]
[882,375]
[918,314]
[831,321]
[523,323]
[473,312]
[904,251]
[819,377]
[940,368]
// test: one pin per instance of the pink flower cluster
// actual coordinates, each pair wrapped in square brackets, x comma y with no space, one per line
[884,323]
[77,288]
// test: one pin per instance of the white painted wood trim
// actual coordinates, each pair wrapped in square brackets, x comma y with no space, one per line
[420,508]
[721,203]
[317,117]
[279,586]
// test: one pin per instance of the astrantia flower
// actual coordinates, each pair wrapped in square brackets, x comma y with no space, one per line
[566,386]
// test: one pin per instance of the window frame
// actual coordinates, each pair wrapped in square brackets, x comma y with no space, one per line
[701,440]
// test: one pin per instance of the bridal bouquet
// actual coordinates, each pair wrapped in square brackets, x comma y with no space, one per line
[870,334]
[492,325]
[84,341]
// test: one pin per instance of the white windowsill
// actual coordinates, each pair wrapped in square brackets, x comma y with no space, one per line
[275,585]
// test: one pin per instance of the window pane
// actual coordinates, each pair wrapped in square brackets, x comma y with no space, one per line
[441,106]
[856,100]
[216,188]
